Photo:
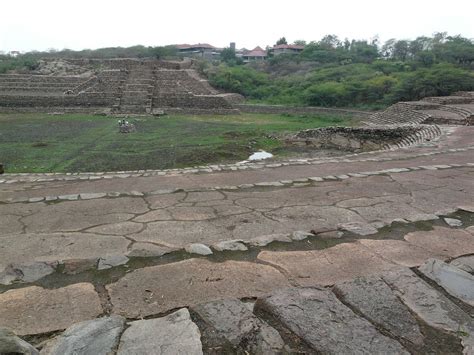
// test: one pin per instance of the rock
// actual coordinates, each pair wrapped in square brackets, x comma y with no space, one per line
[443,241]
[90,196]
[231,245]
[330,235]
[264,240]
[35,310]
[358,228]
[77,266]
[198,248]
[11,344]
[269,184]
[157,289]
[317,267]
[149,250]
[375,301]
[397,251]
[98,336]
[453,222]
[467,208]
[456,282]
[465,263]
[16,273]
[301,235]
[232,320]
[71,197]
[109,262]
[121,228]
[325,324]
[173,334]
[431,306]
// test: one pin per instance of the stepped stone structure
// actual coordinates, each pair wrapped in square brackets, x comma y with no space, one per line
[119,86]
[453,110]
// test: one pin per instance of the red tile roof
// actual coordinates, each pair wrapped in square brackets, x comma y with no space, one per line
[288,46]
[256,52]
[199,45]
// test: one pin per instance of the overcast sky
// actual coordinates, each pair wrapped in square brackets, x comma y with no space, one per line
[42,24]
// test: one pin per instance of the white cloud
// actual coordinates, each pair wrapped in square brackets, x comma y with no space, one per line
[39,25]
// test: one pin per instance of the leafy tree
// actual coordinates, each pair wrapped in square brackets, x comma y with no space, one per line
[300,42]
[282,40]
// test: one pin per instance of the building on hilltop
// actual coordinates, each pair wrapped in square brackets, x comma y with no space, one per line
[202,50]
[287,49]
[256,54]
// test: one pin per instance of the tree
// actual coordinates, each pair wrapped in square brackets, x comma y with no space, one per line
[281,41]
[300,42]
[228,55]
[330,42]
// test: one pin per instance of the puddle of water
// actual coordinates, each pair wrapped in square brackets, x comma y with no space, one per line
[395,231]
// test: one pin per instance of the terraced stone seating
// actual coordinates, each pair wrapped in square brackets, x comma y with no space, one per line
[457,110]
[365,138]
[400,114]
[447,100]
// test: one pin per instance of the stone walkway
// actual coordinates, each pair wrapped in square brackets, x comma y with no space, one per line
[328,255]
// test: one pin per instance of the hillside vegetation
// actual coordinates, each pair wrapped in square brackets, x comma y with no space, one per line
[331,72]
[328,72]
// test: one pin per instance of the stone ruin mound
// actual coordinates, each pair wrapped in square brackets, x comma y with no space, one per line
[401,125]
[457,109]
[116,86]
[365,138]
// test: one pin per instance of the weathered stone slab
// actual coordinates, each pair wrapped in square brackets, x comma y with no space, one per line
[173,334]
[301,235]
[431,306]
[358,228]
[76,266]
[111,261]
[318,267]
[465,263]
[232,320]
[443,241]
[397,251]
[149,250]
[264,240]
[121,228]
[232,245]
[453,222]
[327,325]
[98,336]
[26,272]
[11,344]
[198,248]
[35,310]
[33,247]
[376,301]
[161,288]
[456,282]
[91,196]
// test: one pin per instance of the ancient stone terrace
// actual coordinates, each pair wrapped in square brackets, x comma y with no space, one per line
[119,86]
[457,110]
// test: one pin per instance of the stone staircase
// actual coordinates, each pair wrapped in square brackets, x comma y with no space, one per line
[135,93]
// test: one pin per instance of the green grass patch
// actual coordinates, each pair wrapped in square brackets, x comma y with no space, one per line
[80,143]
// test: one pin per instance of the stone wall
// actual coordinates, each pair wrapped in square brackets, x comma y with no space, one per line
[299,110]
[353,139]
[457,109]
[121,85]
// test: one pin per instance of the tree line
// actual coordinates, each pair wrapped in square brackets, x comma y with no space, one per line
[334,72]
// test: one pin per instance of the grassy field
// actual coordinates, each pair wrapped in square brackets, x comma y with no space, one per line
[79,143]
